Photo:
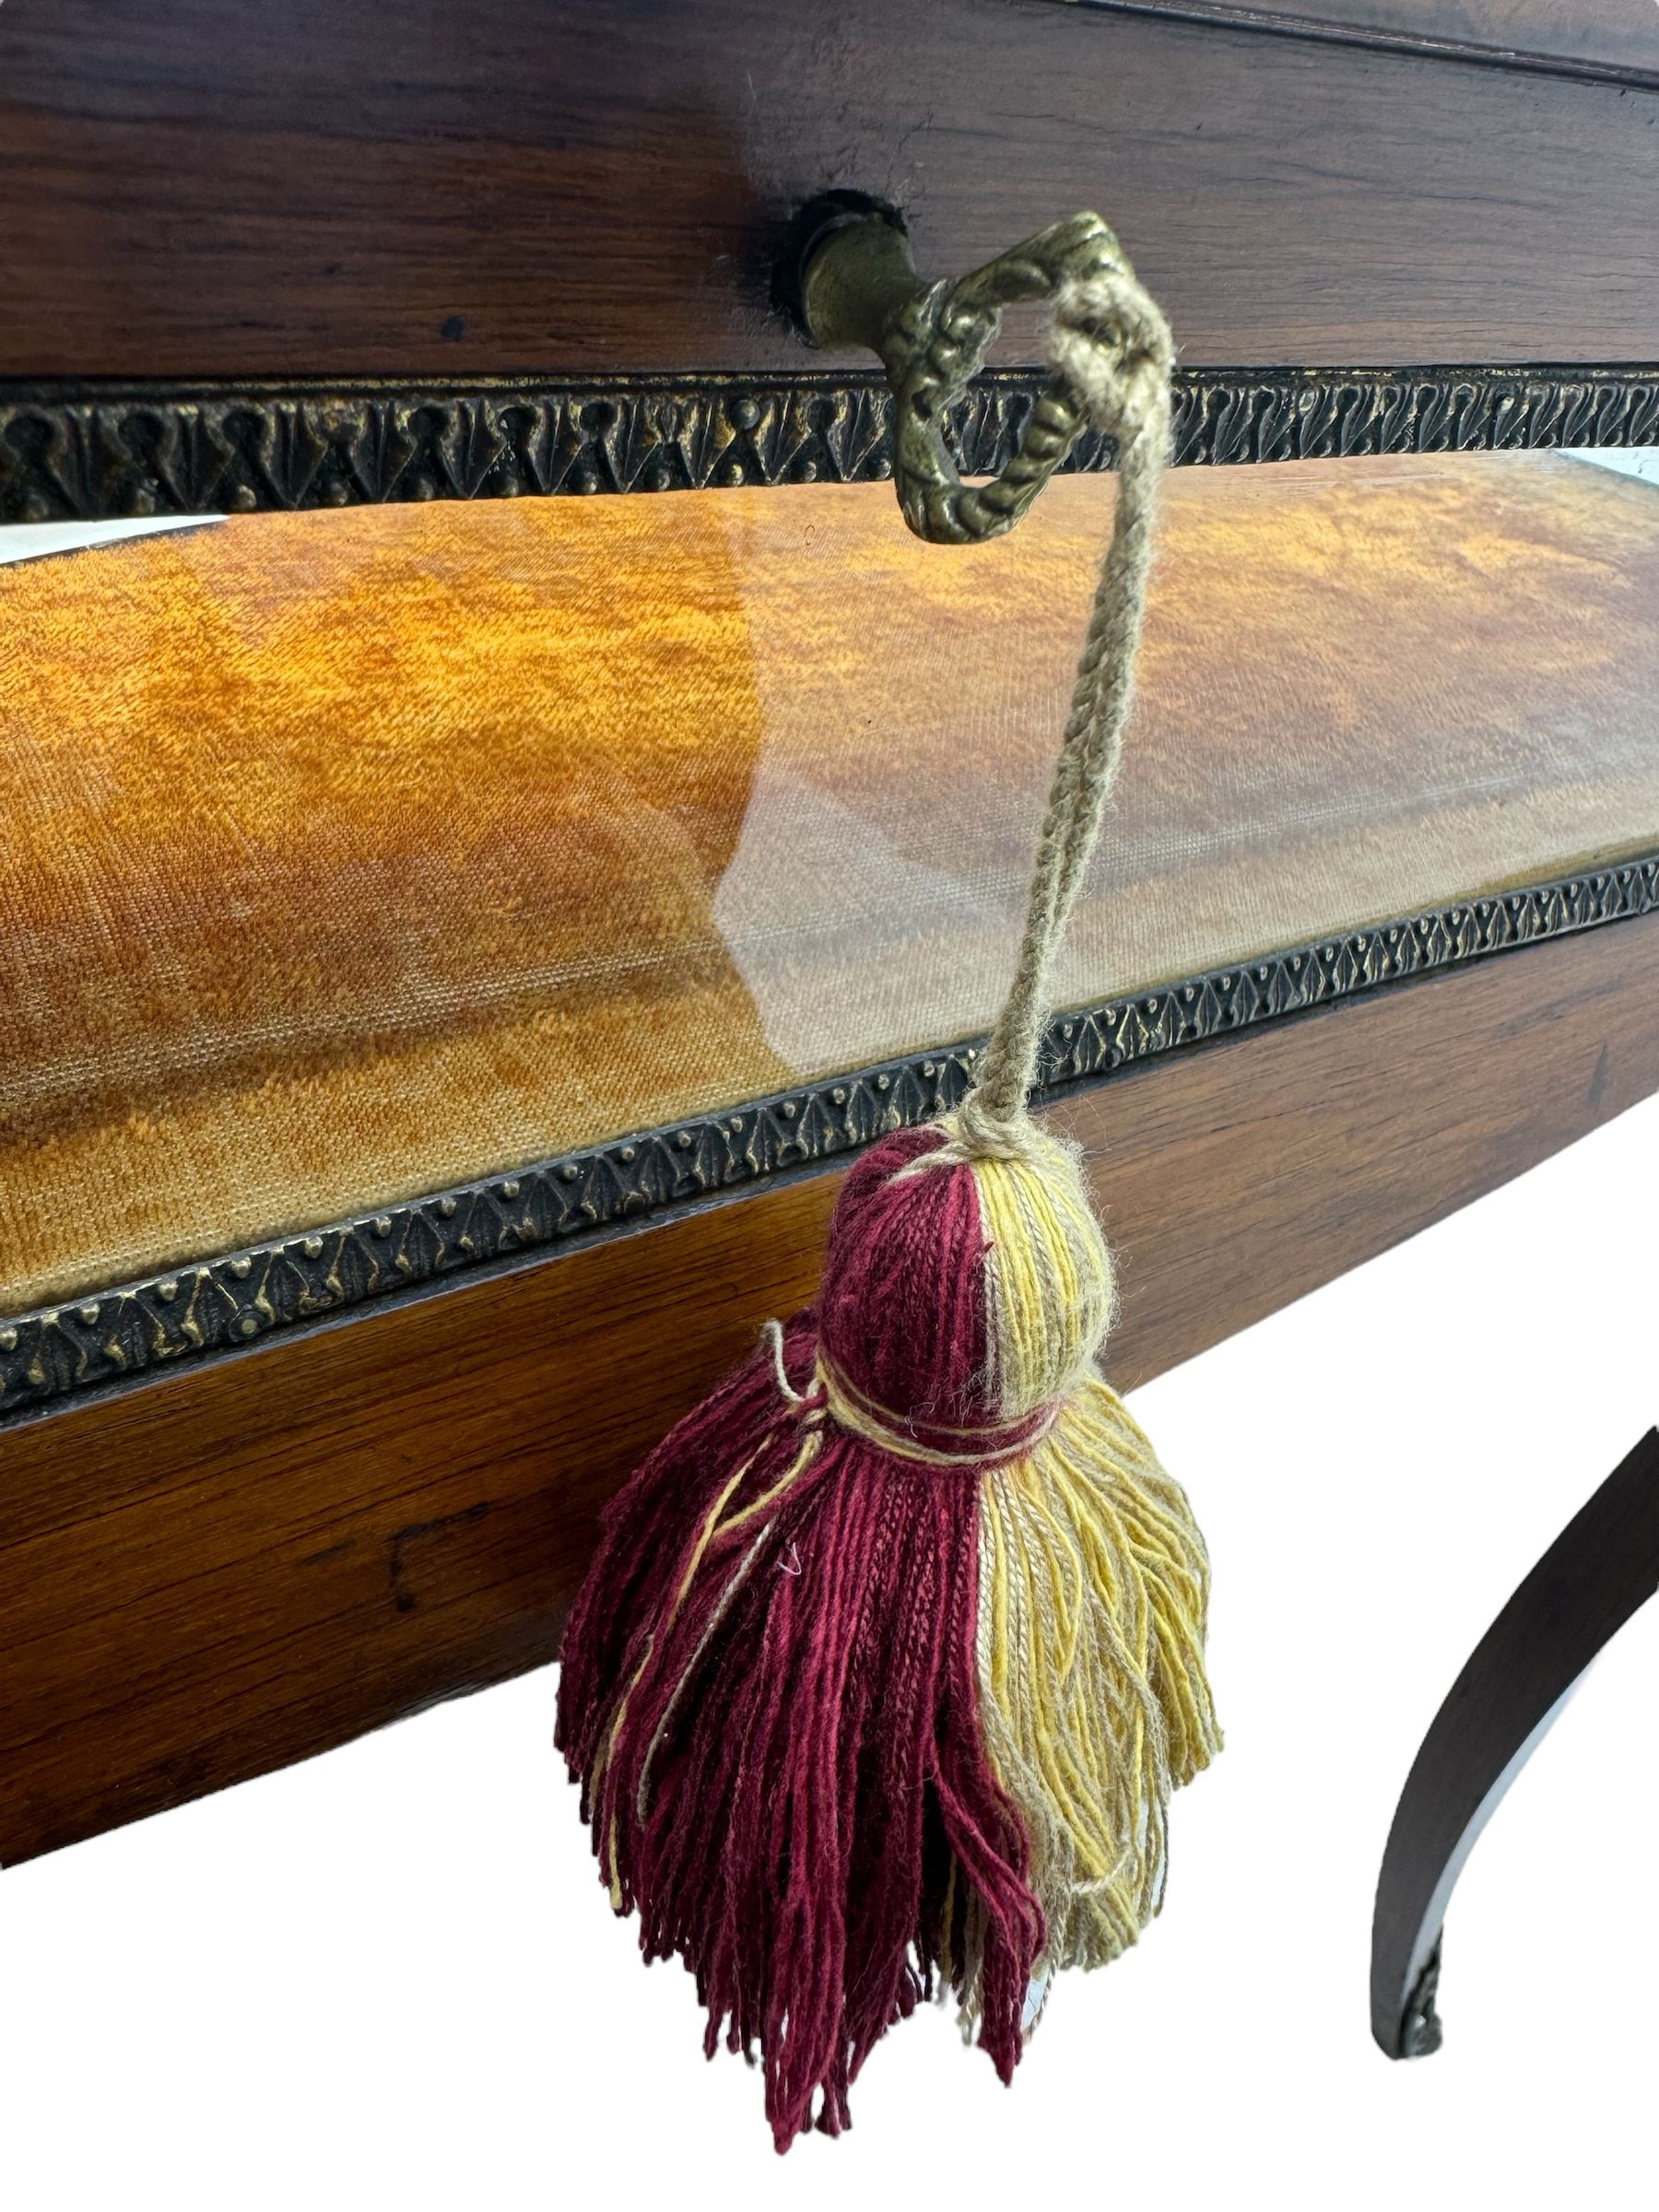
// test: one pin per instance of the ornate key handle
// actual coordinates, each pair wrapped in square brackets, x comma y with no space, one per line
[851,282]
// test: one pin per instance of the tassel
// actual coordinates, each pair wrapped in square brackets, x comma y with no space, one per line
[892,1652]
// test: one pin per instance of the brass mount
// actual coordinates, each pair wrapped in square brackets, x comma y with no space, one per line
[851,282]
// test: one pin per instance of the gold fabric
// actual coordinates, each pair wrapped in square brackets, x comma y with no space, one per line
[349,855]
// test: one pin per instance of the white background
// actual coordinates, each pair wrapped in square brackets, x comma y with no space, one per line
[390,1977]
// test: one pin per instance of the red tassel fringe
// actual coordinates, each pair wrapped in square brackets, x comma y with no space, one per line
[798,1766]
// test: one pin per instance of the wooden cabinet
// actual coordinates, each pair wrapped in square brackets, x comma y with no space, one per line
[448,952]
[213,188]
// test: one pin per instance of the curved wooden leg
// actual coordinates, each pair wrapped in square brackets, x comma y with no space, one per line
[1602,1566]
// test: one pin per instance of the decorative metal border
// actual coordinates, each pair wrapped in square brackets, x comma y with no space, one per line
[225,1303]
[89,453]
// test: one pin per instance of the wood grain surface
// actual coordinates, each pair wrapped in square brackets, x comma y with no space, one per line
[1617,39]
[219,188]
[225,1570]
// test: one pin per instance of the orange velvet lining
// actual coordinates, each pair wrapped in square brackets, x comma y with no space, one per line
[351,855]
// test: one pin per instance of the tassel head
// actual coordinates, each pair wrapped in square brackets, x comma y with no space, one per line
[964,1297]
[892,1652]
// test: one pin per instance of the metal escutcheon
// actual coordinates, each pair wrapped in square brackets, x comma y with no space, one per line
[849,281]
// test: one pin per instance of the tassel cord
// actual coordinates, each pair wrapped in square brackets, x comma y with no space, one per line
[1112,347]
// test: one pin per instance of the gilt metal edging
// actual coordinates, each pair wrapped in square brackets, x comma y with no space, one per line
[83,452]
[223,1304]
[850,279]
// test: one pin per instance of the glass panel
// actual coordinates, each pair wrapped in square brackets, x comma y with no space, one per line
[351,855]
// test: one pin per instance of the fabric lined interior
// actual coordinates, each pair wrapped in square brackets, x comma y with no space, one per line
[351,855]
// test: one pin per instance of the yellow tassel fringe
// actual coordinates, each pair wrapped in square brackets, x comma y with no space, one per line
[1094,1587]
[1094,1580]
